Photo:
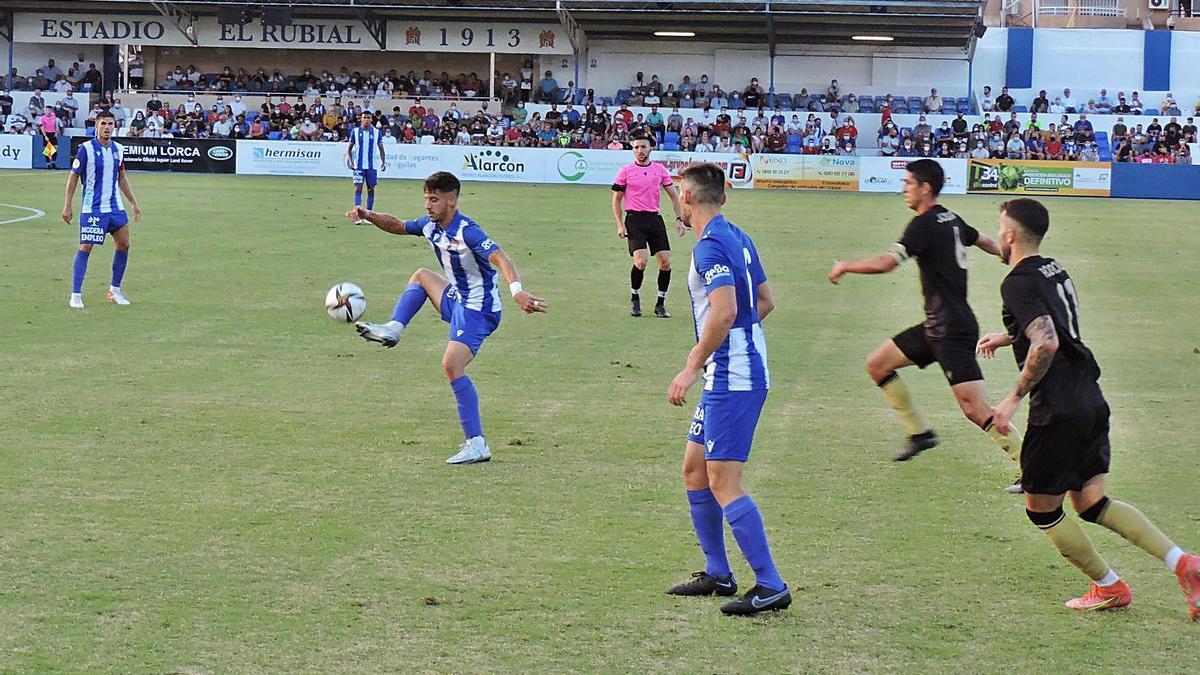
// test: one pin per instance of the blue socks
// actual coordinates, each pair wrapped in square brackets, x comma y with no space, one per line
[120,260]
[468,406]
[370,199]
[79,269]
[410,302]
[747,525]
[709,522]
[358,195]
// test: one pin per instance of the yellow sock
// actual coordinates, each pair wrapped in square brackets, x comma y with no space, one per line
[1127,521]
[1010,444]
[898,396]
[1073,543]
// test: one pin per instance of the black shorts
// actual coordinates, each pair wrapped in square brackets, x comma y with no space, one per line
[1066,453]
[955,354]
[644,228]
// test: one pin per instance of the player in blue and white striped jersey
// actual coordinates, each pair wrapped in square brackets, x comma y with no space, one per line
[467,296]
[366,142]
[99,165]
[730,298]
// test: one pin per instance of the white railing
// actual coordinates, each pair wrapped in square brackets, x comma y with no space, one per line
[1080,8]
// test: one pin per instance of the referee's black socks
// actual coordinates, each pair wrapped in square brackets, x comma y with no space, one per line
[664,282]
[635,279]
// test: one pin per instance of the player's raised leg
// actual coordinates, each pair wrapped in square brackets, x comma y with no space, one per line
[882,366]
[1126,520]
[119,262]
[454,364]
[664,282]
[424,283]
[708,520]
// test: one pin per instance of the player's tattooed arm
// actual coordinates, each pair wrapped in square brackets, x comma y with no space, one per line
[986,243]
[384,221]
[1043,344]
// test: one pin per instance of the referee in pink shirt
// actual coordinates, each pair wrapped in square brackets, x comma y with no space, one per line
[638,185]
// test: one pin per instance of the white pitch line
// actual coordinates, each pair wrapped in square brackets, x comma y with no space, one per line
[37,213]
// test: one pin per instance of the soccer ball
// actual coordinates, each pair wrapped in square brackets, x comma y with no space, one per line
[345,302]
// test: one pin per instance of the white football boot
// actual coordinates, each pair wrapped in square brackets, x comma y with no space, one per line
[472,451]
[386,334]
[76,301]
[115,295]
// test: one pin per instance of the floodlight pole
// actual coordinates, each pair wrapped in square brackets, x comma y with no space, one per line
[168,9]
[771,50]
[8,73]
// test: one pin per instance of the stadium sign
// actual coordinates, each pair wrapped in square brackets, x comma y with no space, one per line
[153,29]
[885,174]
[16,151]
[503,38]
[188,155]
[806,172]
[55,27]
[1086,179]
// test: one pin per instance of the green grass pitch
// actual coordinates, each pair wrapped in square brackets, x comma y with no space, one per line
[221,479]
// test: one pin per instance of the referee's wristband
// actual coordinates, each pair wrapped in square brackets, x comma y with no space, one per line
[514,288]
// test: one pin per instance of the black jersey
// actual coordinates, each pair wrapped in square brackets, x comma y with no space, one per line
[939,239]
[1036,287]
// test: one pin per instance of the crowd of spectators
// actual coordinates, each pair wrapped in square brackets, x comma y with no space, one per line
[999,138]
[695,116]
[1069,103]
[52,77]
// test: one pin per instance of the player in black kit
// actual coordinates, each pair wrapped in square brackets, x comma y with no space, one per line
[1066,449]
[939,240]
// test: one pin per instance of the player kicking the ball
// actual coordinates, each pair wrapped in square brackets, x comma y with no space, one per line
[99,163]
[471,304]
[1066,450]
[939,240]
[730,298]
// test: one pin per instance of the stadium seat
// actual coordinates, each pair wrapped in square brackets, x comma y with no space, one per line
[623,96]
[274,136]
[251,115]
[1020,109]
[562,94]
[580,97]
[794,144]
[671,137]
[866,105]
[1150,111]
[670,147]
[606,100]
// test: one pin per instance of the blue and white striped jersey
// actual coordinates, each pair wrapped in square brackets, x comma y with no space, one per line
[463,249]
[725,256]
[364,147]
[98,168]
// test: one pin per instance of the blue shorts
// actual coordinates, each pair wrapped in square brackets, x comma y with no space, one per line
[94,226]
[468,326]
[368,176]
[724,423]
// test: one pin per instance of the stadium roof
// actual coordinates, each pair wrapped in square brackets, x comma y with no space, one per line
[779,23]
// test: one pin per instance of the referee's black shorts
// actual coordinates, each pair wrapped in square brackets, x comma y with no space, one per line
[954,353]
[646,228]
[1066,453]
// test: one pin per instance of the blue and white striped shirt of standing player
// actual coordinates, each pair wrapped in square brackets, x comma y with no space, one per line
[99,169]
[364,148]
[725,256]
[463,249]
